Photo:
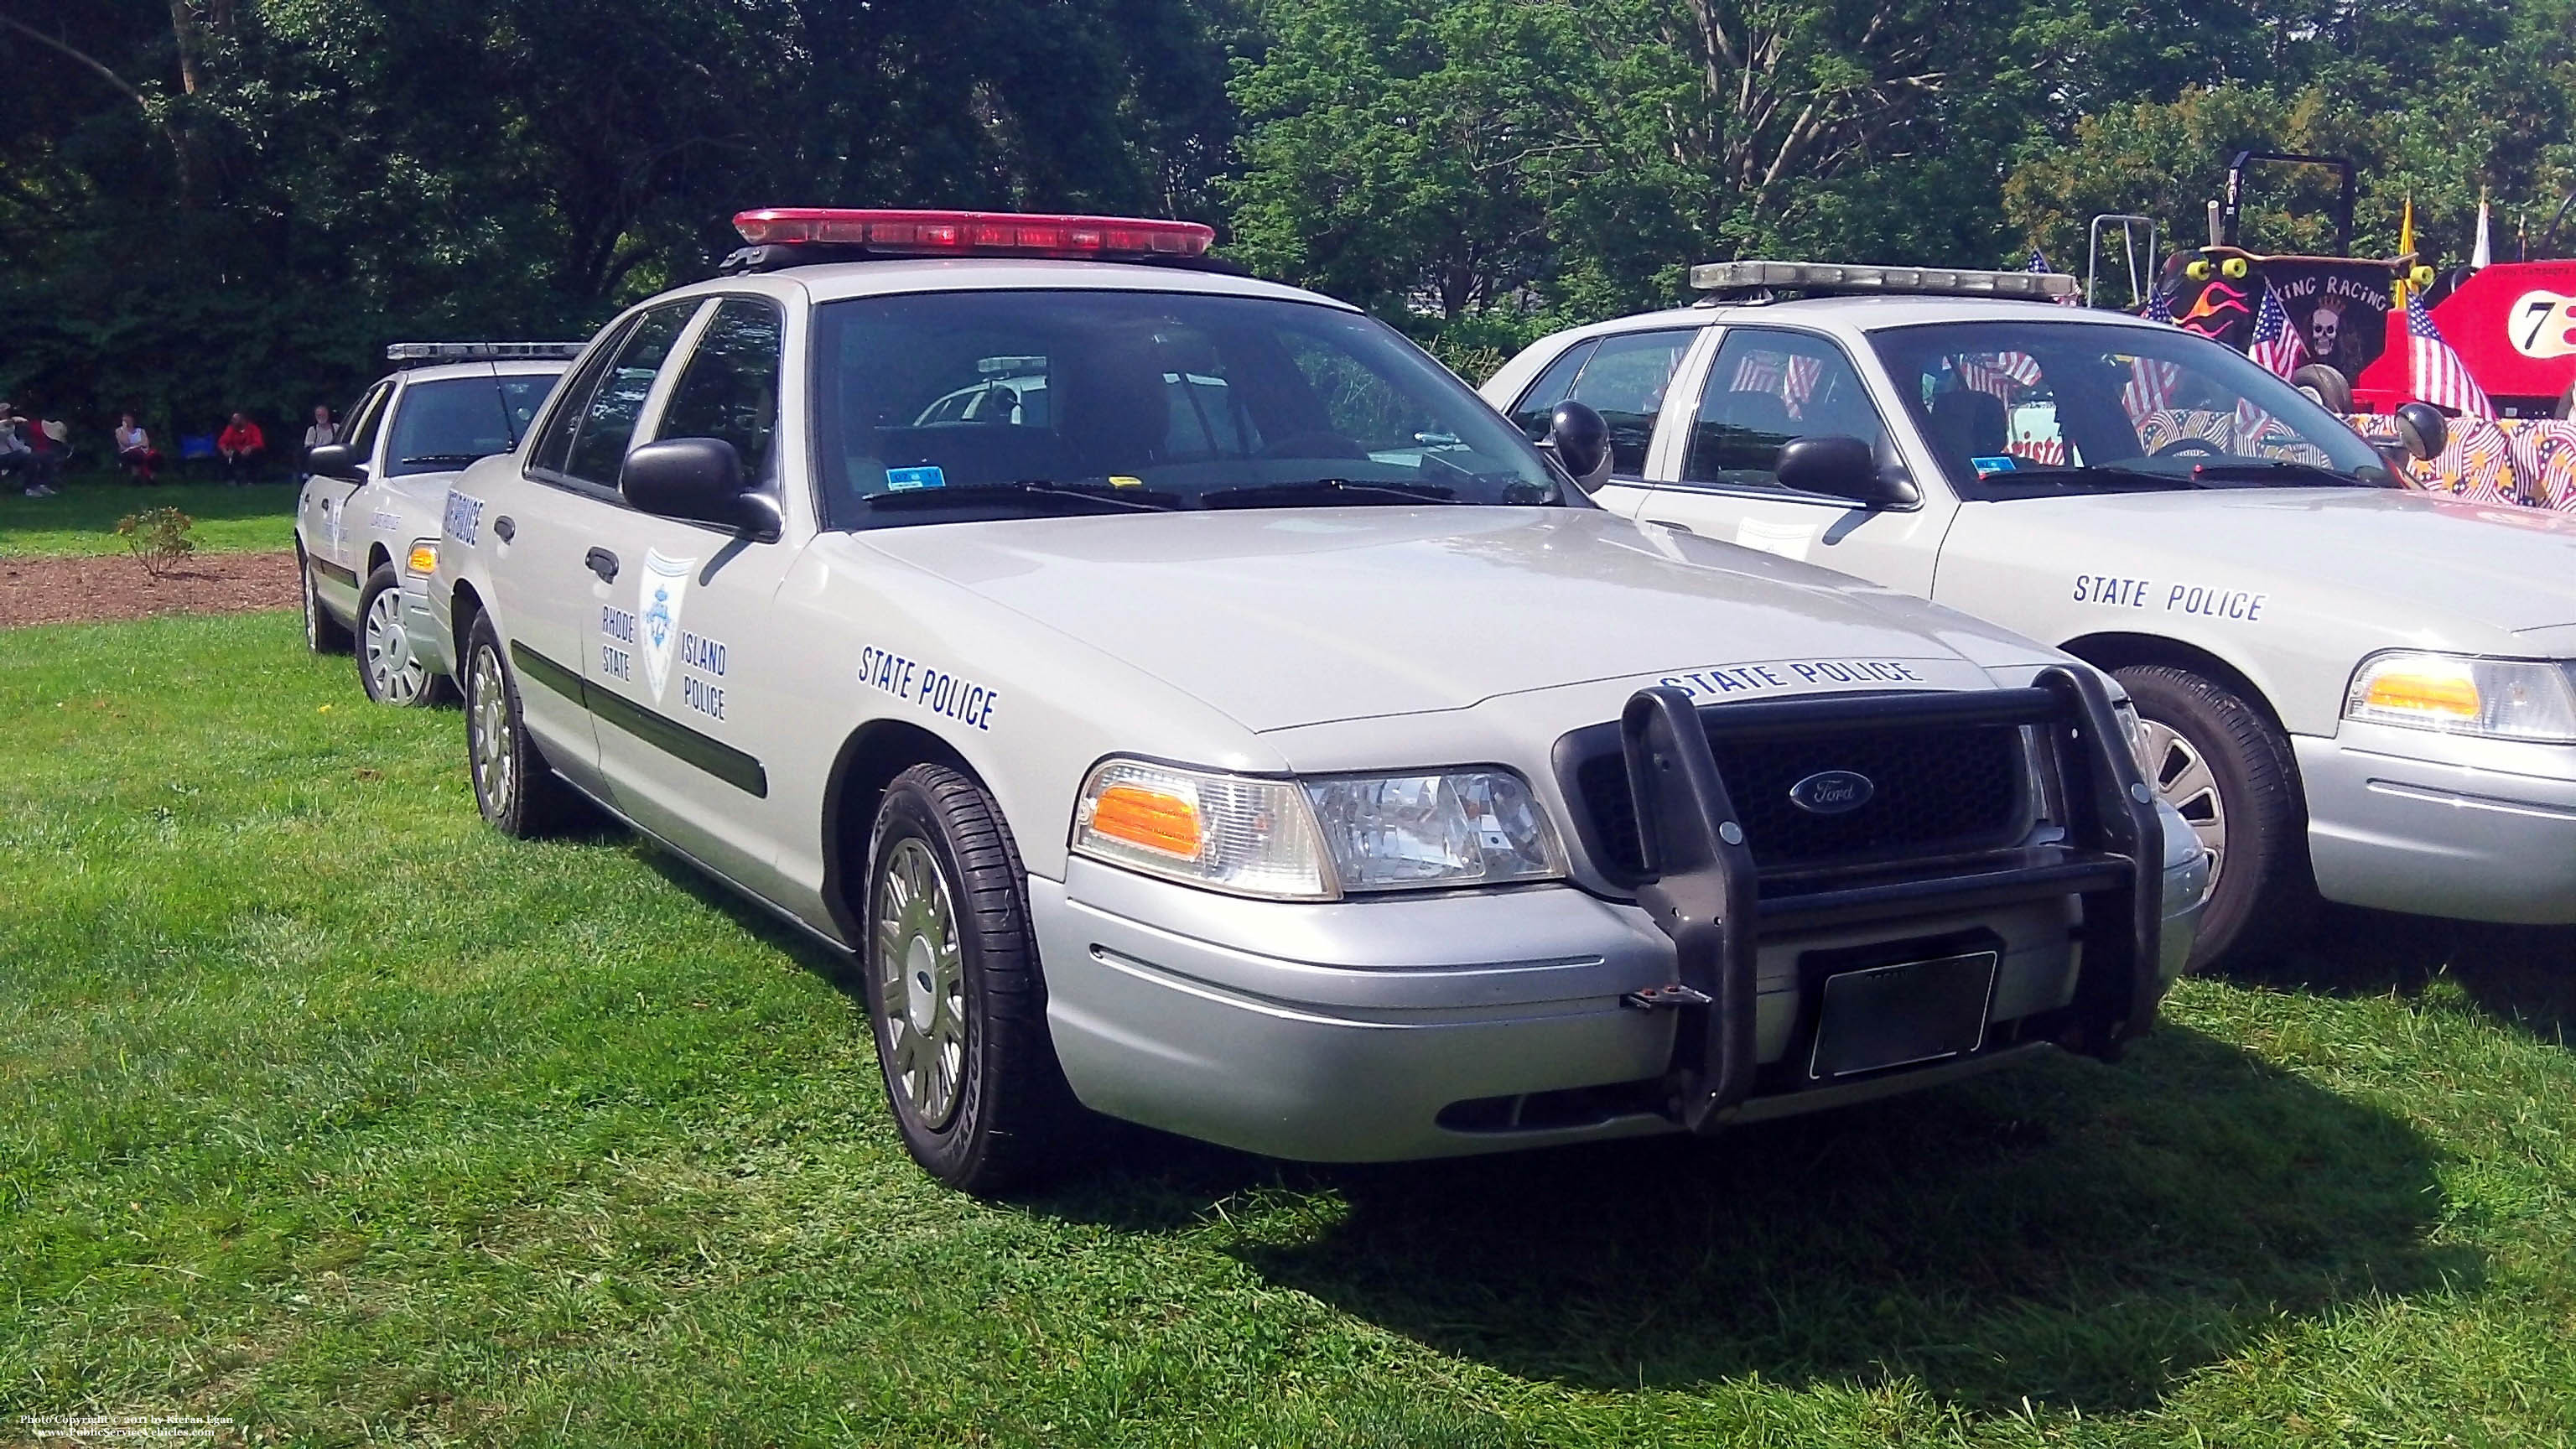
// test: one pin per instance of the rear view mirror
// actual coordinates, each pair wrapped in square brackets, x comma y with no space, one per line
[337,460]
[2424,429]
[700,480]
[1844,467]
[1580,438]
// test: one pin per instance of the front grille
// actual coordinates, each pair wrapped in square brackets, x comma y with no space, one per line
[1936,790]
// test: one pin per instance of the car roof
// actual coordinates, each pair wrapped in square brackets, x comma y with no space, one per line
[1859,314]
[837,281]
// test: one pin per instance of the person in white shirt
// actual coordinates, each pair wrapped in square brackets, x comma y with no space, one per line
[323,433]
[16,456]
[134,449]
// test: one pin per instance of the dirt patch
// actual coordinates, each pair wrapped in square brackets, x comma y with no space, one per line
[85,590]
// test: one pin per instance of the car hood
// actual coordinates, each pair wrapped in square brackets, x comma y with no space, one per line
[1288,617]
[2418,555]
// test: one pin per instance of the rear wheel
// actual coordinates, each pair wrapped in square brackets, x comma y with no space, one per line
[322,633]
[953,988]
[2222,765]
[514,787]
[388,669]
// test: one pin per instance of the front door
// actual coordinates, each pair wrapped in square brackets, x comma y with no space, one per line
[687,731]
[1762,387]
[332,539]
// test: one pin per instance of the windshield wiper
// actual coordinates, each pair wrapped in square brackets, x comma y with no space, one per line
[446,458]
[2270,470]
[1143,500]
[2094,474]
[1323,490]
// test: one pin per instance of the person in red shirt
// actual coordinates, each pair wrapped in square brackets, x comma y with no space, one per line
[242,445]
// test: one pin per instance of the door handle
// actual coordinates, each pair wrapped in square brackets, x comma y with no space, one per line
[602,563]
[504,529]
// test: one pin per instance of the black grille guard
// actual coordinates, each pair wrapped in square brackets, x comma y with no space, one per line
[1702,890]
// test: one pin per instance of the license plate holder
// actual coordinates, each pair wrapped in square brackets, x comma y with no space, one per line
[1904,1014]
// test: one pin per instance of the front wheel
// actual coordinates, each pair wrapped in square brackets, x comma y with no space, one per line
[514,787]
[388,669]
[2220,763]
[953,988]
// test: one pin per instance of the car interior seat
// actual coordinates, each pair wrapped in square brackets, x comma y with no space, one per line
[1968,424]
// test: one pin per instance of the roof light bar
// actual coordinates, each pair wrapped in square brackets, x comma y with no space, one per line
[1837,277]
[974,233]
[482,351]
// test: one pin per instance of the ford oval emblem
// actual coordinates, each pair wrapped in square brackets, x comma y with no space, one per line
[1832,792]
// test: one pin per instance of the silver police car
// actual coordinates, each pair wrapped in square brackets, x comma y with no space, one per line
[2347,687]
[1229,724]
[366,521]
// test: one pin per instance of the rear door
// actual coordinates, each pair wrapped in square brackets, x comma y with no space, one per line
[559,590]
[689,721]
[1760,388]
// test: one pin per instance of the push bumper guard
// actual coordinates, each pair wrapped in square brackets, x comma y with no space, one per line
[1702,889]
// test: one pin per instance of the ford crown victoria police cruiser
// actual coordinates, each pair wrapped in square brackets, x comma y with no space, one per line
[366,523]
[2347,687]
[1221,735]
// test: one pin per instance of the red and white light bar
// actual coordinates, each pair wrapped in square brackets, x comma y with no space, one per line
[975,233]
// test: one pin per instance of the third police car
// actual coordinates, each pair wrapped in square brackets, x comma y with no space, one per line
[2348,686]
[1189,703]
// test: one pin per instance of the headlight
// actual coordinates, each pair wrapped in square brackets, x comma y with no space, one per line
[2126,711]
[424,558]
[2505,699]
[1410,832]
[1318,839]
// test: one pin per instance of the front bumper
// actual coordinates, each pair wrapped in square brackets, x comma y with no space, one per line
[2410,820]
[427,632]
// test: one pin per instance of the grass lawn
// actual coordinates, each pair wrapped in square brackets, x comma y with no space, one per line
[327,1110]
[82,518]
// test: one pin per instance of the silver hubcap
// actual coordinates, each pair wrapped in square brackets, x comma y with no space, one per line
[488,725]
[921,986]
[2183,778]
[396,672]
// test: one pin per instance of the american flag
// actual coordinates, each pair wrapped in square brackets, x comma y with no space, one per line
[2039,263]
[2276,344]
[1999,373]
[1786,376]
[2151,383]
[2440,377]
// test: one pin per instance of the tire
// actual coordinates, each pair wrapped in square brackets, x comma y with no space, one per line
[2328,384]
[388,670]
[955,999]
[322,633]
[514,787]
[2216,758]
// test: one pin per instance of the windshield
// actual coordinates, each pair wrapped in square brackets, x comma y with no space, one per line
[2040,408]
[944,406]
[446,424]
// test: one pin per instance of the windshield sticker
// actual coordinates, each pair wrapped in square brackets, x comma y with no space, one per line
[1733,679]
[464,520]
[664,590]
[911,480]
[2002,463]
[2207,601]
[926,686]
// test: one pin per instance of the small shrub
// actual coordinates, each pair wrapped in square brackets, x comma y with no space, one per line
[158,539]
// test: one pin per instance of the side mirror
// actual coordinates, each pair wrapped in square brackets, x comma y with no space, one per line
[2424,428]
[1580,438]
[337,460]
[698,479]
[1844,467]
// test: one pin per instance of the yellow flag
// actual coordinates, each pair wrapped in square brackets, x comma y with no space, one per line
[2405,248]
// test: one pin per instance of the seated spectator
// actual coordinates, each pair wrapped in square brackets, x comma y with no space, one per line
[15,455]
[134,449]
[322,434]
[242,445]
[46,454]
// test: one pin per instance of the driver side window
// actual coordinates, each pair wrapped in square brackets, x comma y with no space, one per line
[1764,389]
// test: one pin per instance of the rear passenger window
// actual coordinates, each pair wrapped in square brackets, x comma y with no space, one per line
[729,389]
[1764,389]
[1622,378]
[607,418]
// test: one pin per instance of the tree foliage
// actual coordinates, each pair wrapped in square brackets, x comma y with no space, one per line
[212,204]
